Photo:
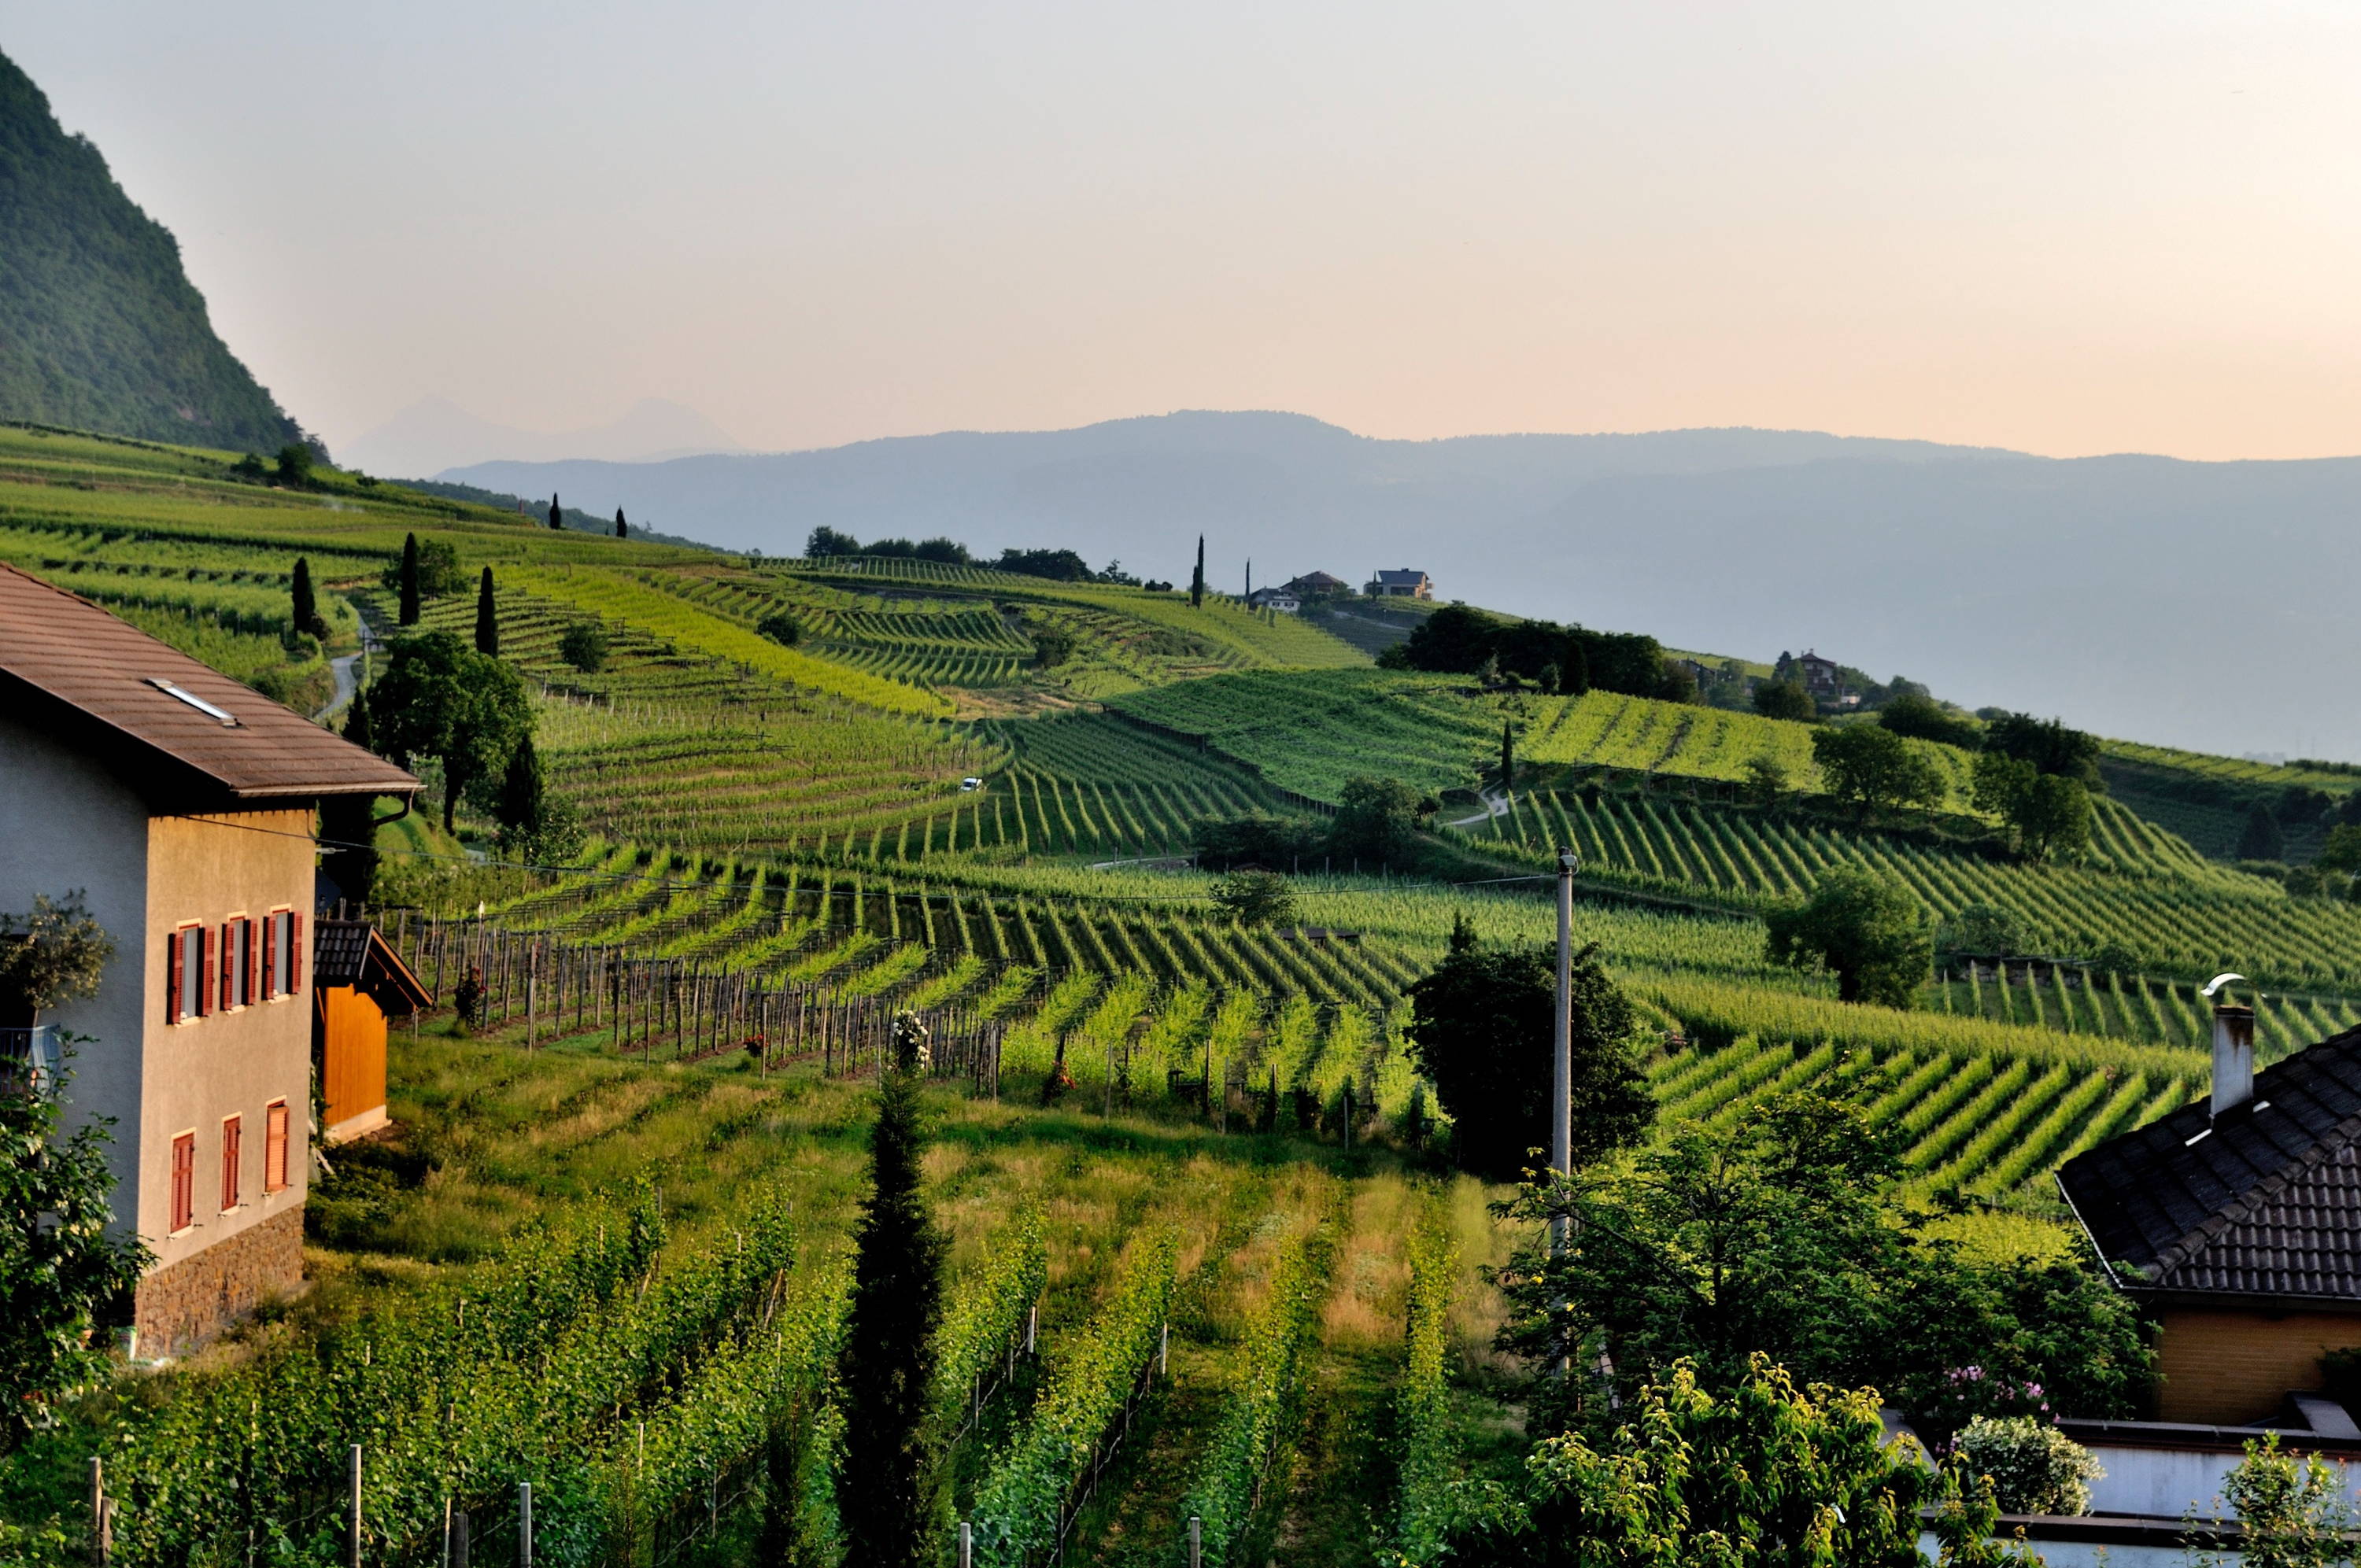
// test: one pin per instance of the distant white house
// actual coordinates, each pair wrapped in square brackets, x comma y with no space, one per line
[1404,583]
[1279,599]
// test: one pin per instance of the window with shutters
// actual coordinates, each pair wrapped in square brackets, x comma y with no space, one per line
[271,947]
[184,1181]
[233,1158]
[185,975]
[274,1146]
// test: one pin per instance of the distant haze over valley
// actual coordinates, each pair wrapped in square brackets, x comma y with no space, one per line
[435,434]
[2193,604]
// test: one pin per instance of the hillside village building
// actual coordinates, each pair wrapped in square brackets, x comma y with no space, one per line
[1404,583]
[1316,585]
[2238,1221]
[1279,599]
[181,805]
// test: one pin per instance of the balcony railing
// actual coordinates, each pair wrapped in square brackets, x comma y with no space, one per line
[29,1054]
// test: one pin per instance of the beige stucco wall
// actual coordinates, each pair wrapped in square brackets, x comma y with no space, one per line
[211,868]
[68,823]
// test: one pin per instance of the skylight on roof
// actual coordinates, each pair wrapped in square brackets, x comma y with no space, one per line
[228,719]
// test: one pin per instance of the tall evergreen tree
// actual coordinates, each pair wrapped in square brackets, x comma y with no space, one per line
[888,1361]
[1197,579]
[359,727]
[487,619]
[557,514]
[1508,759]
[622,529]
[303,603]
[408,613]
[518,808]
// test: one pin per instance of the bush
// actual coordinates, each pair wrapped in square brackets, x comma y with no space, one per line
[1255,898]
[2034,1468]
[781,628]
[1273,843]
[1785,699]
[584,646]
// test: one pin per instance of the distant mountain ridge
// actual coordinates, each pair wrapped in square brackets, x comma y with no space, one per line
[100,328]
[434,435]
[2178,602]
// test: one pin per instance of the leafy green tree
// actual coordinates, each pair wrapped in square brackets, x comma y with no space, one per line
[2047,744]
[1378,820]
[1483,1031]
[2053,820]
[1914,714]
[487,618]
[1870,766]
[1763,1475]
[1258,839]
[1059,565]
[406,583]
[303,607]
[1785,699]
[825,542]
[584,646]
[2292,1512]
[622,529]
[60,1271]
[1984,928]
[2342,851]
[438,699]
[1766,783]
[1866,927]
[1052,645]
[295,461]
[1255,898]
[1197,578]
[781,628]
[536,825]
[2262,840]
[886,1368]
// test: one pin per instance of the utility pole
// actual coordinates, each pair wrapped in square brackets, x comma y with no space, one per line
[1562,1079]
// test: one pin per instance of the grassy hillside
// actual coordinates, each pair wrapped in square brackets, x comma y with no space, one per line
[100,329]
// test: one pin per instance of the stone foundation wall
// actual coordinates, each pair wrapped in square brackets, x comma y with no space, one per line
[186,1303]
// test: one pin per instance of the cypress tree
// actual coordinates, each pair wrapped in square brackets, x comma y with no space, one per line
[359,727]
[556,516]
[303,603]
[1197,580]
[888,1361]
[622,529]
[408,613]
[518,810]
[1508,759]
[487,619]
[2262,840]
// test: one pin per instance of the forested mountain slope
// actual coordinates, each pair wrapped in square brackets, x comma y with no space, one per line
[100,329]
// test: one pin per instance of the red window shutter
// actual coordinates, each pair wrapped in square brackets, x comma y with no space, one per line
[274,1146]
[184,1181]
[228,965]
[295,951]
[269,957]
[232,1157]
[176,953]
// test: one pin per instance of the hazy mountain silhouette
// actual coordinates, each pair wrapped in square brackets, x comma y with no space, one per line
[2201,604]
[435,434]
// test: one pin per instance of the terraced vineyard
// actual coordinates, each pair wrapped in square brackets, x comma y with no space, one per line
[2146,895]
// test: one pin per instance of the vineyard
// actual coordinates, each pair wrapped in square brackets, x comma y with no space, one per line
[1204,1270]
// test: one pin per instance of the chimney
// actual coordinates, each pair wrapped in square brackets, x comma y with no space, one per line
[2233,1057]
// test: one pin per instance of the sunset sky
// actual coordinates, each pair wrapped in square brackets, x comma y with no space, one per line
[2068,228]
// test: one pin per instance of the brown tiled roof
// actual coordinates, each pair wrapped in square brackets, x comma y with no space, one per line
[68,666]
[354,952]
[2264,1199]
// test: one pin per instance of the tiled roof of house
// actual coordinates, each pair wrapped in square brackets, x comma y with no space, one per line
[1402,578]
[2262,1199]
[68,664]
[354,952]
[1317,583]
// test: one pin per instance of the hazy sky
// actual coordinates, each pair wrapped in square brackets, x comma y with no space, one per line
[2067,228]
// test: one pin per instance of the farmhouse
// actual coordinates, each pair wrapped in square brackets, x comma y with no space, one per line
[180,804]
[1821,678]
[2238,1220]
[1404,583]
[1314,585]
[1280,599]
